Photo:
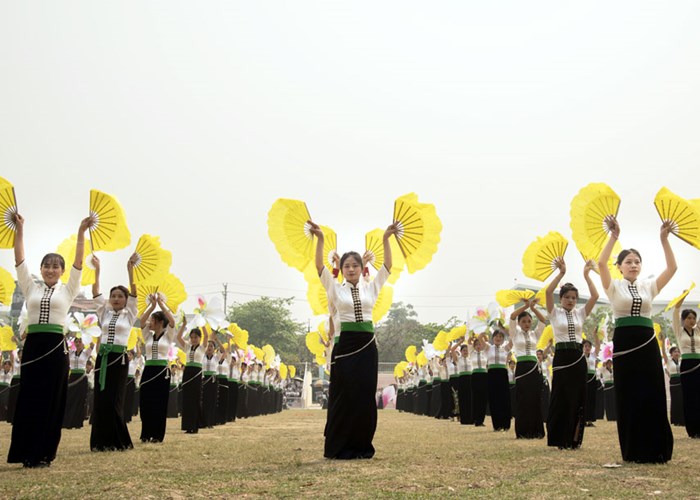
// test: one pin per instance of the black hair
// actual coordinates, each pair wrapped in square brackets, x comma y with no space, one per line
[523,314]
[688,312]
[673,349]
[160,316]
[197,332]
[463,346]
[54,257]
[566,288]
[498,332]
[347,255]
[625,253]
[122,289]
[586,341]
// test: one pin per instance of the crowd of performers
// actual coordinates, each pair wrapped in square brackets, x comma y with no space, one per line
[46,388]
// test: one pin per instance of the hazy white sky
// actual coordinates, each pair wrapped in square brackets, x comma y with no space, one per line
[198,115]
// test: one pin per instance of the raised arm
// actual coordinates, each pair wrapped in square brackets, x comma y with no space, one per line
[163,307]
[592,291]
[316,231]
[96,284]
[393,229]
[130,270]
[677,316]
[549,292]
[614,228]
[80,243]
[538,313]
[147,313]
[181,332]
[671,266]
[19,238]
[516,312]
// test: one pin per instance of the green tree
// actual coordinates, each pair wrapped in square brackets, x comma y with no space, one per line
[402,329]
[269,321]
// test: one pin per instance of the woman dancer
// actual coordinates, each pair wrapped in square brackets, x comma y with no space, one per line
[497,377]
[352,411]
[672,366]
[464,383]
[76,395]
[117,317]
[159,334]
[528,379]
[192,377]
[41,401]
[566,415]
[210,367]
[608,380]
[687,332]
[480,394]
[642,423]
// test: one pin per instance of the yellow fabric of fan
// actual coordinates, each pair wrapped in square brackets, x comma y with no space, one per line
[422,359]
[240,336]
[383,304]
[7,339]
[153,262]
[374,243]
[594,254]
[400,369]
[507,298]
[419,231]
[169,286]
[7,287]
[540,256]
[283,371]
[292,370]
[288,229]
[133,338]
[411,353]
[314,344]
[682,296]
[440,342]
[317,297]
[67,250]
[8,209]
[456,333]
[589,208]
[684,215]
[110,231]
[546,337]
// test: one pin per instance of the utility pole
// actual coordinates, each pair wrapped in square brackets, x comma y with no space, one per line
[225,298]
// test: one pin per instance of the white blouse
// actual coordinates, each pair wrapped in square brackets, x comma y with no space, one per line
[525,343]
[223,369]
[79,360]
[194,355]
[210,364]
[133,365]
[116,326]
[631,299]
[235,373]
[478,359]
[464,364]
[686,343]
[497,355]
[354,303]
[5,377]
[606,375]
[48,305]
[672,367]
[567,325]
[592,362]
[158,349]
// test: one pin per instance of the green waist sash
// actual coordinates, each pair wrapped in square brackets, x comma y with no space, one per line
[465,373]
[634,321]
[479,370]
[156,362]
[196,365]
[105,349]
[360,326]
[675,375]
[46,328]
[527,358]
[77,371]
[498,365]
[209,374]
[609,382]
[690,355]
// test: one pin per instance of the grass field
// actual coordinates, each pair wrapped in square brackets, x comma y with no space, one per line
[282,456]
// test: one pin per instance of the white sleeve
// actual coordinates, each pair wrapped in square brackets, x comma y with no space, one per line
[73,284]
[24,279]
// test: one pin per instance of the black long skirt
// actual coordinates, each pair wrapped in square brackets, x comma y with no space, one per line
[12,399]
[435,398]
[690,382]
[191,399]
[4,397]
[172,401]
[599,401]
[528,393]
[242,409]
[153,402]
[480,397]
[499,398]
[423,398]
[41,402]
[609,401]
[232,401]
[677,416]
[209,394]
[453,389]
[642,422]
[109,430]
[129,399]
[566,415]
[352,409]
[254,393]
[137,401]
[76,401]
[545,394]
[591,388]
[221,401]
[513,399]
[464,398]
